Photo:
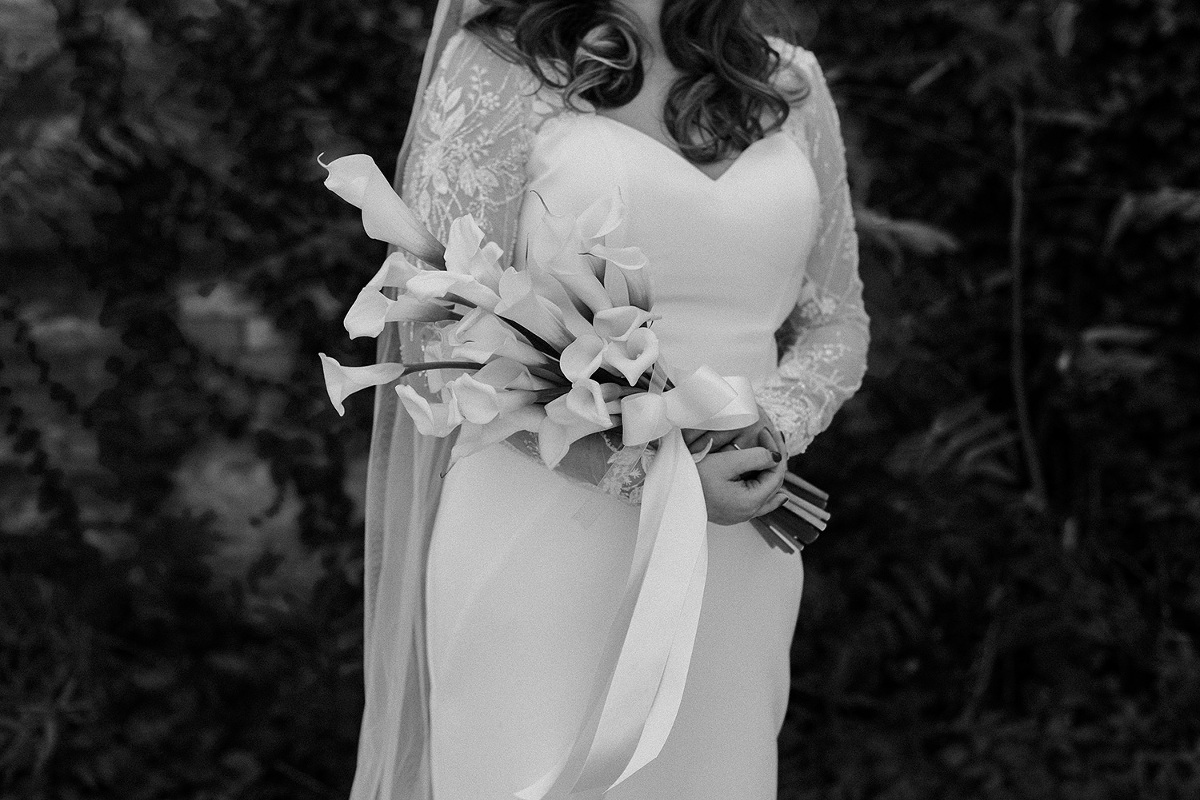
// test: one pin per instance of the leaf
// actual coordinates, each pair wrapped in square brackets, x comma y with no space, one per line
[898,235]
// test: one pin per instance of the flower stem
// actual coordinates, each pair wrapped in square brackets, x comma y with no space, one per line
[410,369]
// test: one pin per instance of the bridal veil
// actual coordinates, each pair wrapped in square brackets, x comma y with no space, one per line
[403,485]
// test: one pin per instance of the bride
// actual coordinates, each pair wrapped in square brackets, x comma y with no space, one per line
[491,593]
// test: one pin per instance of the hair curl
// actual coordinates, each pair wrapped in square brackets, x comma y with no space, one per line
[725,99]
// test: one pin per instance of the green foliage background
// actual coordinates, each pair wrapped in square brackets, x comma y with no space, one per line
[1008,605]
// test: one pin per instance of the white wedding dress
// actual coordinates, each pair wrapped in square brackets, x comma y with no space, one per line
[526,567]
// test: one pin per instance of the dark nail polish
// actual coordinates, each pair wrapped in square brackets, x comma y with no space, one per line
[777,456]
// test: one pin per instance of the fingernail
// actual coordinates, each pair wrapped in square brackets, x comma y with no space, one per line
[777,456]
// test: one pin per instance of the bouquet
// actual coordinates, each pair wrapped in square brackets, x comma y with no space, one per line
[561,349]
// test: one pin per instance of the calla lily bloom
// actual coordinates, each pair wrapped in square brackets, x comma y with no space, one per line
[472,438]
[504,373]
[466,256]
[341,382]
[618,324]
[619,340]
[357,180]
[558,248]
[373,309]
[580,412]
[634,355]
[582,358]
[395,272]
[452,286]
[631,262]
[431,419]
[568,306]
[480,403]
[523,306]
[600,219]
[481,335]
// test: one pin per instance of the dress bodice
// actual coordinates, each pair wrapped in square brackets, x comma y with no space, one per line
[726,255]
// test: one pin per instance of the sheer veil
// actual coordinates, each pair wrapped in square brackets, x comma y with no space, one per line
[403,487]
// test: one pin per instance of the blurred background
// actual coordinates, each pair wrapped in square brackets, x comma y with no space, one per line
[1008,603]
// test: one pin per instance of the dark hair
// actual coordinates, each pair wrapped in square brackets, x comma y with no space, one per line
[591,49]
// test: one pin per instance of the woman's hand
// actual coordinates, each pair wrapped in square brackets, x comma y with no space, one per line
[743,438]
[740,484]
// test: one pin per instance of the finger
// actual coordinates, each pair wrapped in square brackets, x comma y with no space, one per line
[774,502]
[723,439]
[767,440]
[765,483]
[783,445]
[691,435]
[699,444]
[753,459]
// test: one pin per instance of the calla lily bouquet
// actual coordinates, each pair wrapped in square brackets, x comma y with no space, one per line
[560,349]
[551,349]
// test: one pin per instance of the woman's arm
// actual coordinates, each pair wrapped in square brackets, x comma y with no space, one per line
[825,362]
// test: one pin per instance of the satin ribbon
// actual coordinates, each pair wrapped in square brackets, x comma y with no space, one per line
[639,681]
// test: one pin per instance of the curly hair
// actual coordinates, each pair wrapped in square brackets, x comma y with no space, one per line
[591,50]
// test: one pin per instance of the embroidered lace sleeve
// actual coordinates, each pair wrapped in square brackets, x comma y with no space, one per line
[471,142]
[468,156]
[825,354]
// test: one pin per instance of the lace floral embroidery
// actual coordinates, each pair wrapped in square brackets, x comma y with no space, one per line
[825,339]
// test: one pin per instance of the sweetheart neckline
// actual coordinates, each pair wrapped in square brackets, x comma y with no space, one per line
[680,157]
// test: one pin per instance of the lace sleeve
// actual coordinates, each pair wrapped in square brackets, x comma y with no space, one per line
[825,354]
[471,142]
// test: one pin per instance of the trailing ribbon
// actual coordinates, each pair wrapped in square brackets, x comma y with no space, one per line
[640,679]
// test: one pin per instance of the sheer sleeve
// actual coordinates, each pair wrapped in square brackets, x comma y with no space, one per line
[468,156]
[824,342]
[471,142]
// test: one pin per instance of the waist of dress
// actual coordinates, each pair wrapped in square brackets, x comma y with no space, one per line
[687,345]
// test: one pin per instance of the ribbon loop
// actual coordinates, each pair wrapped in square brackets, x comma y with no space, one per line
[702,400]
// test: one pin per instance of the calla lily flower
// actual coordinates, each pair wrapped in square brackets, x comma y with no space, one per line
[341,382]
[582,358]
[481,335]
[634,355]
[631,262]
[619,340]
[582,284]
[559,248]
[431,419]
[480,403]
[520,304]
[568,306]
[465,256]
[373,309]
[581,412]
[600,219]
[504,373]
[586,401]
[472,438]
[451,286]
[395,272]
[357,180]
[618,324]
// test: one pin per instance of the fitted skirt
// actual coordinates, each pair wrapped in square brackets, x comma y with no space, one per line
[526,572]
